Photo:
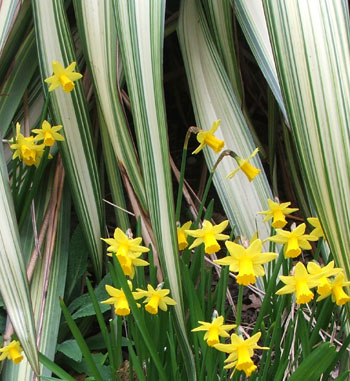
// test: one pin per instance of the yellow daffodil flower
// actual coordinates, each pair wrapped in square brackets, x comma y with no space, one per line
[241,352]
[278,212]
[48,134]
[155,298]
[209,235]
[214,329]
[127,251]
[247,262]
[293,241]
[182,236]
[12,352]
[26,149]
[244,165]
[318,231]
[300,283]
[323,273]
[338,294]
[118,299]
[208,138]
[63,77]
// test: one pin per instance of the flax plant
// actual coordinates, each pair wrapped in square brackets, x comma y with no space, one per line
[112,110]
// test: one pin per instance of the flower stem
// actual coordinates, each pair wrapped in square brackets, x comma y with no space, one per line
[239,306]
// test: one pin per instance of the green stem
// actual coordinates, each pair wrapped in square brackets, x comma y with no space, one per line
[181,184]
[239,306]
[57,370]
[270,288]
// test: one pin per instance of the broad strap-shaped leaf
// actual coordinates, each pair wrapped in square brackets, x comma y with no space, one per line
[250,14]
[213,99]
[140,30]
[70,109]
[17,81]
[98,33]
[56,284]
[13,285]
[310,41]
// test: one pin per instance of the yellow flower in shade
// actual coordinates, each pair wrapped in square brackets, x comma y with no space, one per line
[12,352]
[338,294]
[249,170]
[278,212]
[48,134]
[208,138]
[118,299]
[241,352]
[318,231]
[182,236]
[294,240]
[300,283]
[127,251]
[26,149]
[63,77]
[323,273]
[155,298]
[214,329]
[247,262]
[209,235]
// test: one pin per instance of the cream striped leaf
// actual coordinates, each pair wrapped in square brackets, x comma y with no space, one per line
[13,285]
[98,32]
[213,98]
[141,30]
[250,14]
[70,110]
[56,285]
[310,41]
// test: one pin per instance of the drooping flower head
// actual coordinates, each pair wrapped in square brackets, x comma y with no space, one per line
[155,298]
[250,171]
[246,261]
[214,329]
[300,283]
[118,299]
[48,134]
[63,77]
[12,352]
[127,250]
[322,275]
[182,235]
[338,294]
[209,235]
[208,138]
[278,212]
[318,231]
[241,352]
[26,149]
[294,240]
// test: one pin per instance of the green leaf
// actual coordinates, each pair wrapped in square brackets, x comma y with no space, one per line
[315,364]
[71,349]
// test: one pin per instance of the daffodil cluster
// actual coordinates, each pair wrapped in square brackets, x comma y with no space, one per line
[304,279]
[30,149]
[155,298]
[127,250]
[12,351]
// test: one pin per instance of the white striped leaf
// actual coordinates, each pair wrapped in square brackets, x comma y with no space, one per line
[141,31]
[98,33]
[213,99]
[13,285]
[310,41]
[69,109]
